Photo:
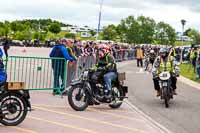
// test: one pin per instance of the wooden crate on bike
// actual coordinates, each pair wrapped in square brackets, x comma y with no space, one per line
[121,76]
[12,86]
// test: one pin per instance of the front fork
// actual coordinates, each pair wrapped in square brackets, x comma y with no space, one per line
[166,84]
[1,116]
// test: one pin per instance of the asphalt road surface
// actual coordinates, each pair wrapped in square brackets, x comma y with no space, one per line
[183,116]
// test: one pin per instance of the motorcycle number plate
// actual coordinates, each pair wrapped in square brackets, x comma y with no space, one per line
[165,84]
[165,75]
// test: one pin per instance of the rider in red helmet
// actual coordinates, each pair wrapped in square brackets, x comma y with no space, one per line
[106,61]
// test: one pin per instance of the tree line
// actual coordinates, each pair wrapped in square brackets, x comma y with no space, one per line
[137,30]
[31,29]
[144,30]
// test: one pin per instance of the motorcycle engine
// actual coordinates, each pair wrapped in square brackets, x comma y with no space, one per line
[99,92]
[100,89]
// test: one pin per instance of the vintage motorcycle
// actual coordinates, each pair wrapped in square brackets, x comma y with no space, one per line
[85,91]
[166,89]
[14,105]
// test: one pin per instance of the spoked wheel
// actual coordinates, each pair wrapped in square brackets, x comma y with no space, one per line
[118,100]
[78,98]
[146,65]
[13,108]
[166,97]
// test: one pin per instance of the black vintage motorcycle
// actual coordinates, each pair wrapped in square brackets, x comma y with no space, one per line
[166,89]
[85,91]
[14,105]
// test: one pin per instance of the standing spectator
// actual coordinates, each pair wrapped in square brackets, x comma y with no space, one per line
[114,52]
[194,60]
[6,46]
[59,51]
[198,64]
[1,53]
[139,57]
[76,49]
[71,65]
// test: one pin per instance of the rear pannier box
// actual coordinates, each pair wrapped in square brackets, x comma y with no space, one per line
[12,86]
[122,76]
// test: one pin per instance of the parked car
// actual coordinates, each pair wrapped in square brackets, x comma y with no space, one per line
[186,53]
[17,43]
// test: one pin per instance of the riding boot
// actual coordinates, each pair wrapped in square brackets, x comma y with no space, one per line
[158,93]
[174,92]
[108,94]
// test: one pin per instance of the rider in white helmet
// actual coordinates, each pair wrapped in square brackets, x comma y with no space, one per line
[152,56]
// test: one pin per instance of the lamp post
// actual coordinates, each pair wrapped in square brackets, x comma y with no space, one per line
[99,21]
[183,22]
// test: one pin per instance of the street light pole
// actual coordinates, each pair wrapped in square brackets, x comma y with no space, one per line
[99,21]
[183,22]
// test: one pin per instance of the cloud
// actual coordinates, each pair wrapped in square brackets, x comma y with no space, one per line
[85,12]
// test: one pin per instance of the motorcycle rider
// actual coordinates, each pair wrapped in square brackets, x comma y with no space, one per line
[106,61]
[152,56]
[165,60]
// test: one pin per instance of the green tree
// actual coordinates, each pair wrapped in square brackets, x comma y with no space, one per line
[24,35]
[36,35]
[129,28]
[195,35]
[50,36]
[146,29]
[186,33]
[165,34]
[13,26]
[109,32]
[70,35]
[5,29]
[93,33]
[55,28]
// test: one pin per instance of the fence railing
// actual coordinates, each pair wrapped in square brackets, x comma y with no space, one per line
[122,55]
[37,73]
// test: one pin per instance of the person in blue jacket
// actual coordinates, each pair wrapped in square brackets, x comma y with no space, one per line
[3,74]
[59,51]
[1,53]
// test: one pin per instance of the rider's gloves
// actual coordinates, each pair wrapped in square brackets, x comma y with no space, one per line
[94,68]
[177,71]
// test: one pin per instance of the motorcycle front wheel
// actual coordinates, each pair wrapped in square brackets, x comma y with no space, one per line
[78,98]
[166,97]
[13,108]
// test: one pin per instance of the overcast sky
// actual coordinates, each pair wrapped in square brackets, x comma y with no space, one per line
[85,12]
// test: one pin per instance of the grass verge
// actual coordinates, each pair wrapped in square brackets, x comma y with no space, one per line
[187,70]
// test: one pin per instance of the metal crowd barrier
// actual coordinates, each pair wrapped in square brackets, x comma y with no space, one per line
[73,71]
[123,55]
[37,73]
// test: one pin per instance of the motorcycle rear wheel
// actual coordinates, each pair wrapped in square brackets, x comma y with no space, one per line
[118,101]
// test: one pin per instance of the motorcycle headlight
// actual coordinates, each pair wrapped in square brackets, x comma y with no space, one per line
[165,84]
[85,75]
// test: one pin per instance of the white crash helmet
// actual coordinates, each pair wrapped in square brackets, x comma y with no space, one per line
[152,51]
